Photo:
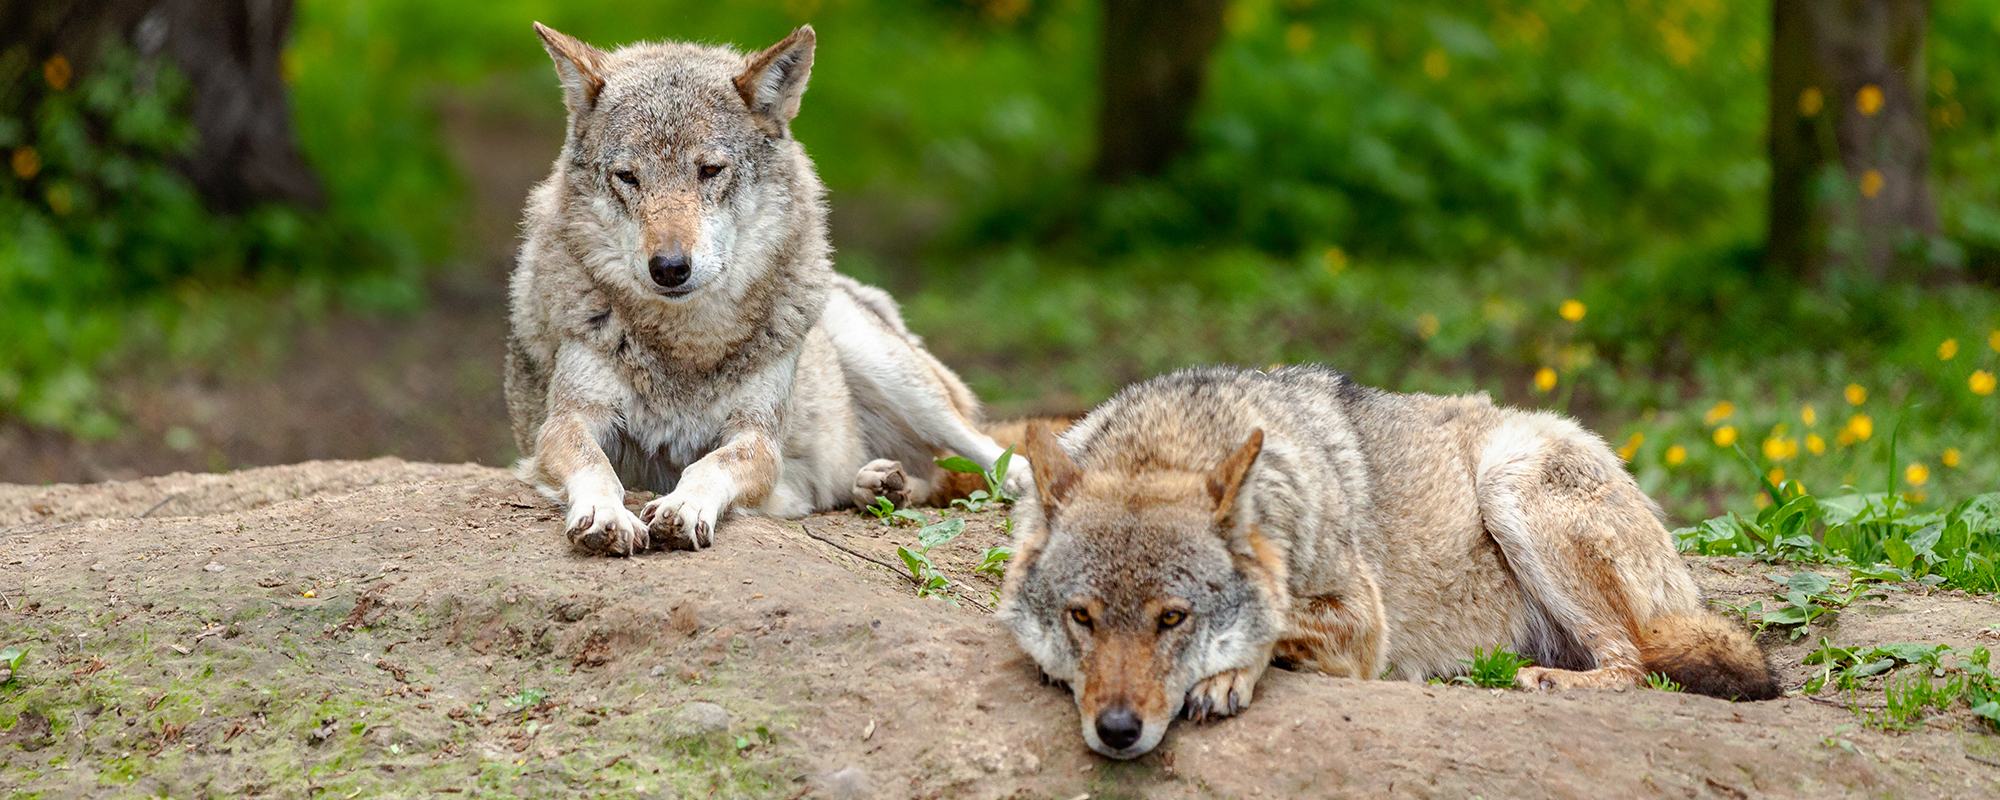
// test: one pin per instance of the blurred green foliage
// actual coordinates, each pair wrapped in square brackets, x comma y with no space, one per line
[1406,191]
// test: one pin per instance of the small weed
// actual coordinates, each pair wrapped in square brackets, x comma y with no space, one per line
[10,662]
[1907,670]
[993,561]
[758,738]
[1494,670]
[889,514]
[926,575]
[1659,681]
[528,698]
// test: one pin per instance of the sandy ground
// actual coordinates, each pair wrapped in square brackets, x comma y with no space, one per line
[384,628]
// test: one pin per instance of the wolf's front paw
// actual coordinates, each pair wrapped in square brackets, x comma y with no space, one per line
[604,527]
[1223,695]
[682,521]
[1020,480]
[881,478]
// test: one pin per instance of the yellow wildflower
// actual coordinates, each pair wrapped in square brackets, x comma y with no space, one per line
[1545,379]
[1725,436]
[1993,340]
[1808,416]
[1981,382]
[1811,101]
[1719,412]
[1861,426]
[308,594]
[1631,447]
[1427,325]
[1763,499]
[1814,444]
[1571,309]
[1916,474]
[27,163]
[1776,476]
[1675,455]
[1776,449]
[57,72]
[1334,260]
[1949,457]
[1437,64]
[1947,349]
[1871,183]
[1856,394]
[1868,100]
[1298,37]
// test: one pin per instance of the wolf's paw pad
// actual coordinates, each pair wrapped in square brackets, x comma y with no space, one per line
[881,478]
[679,522]
[1218,696]
[1020,478]
[605,528]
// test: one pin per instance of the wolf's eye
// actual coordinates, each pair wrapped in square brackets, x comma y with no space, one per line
[626,176]
[1081,615]
[1172,618]
[710,171]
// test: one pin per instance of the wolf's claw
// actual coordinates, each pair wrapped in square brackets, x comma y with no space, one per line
[680,521]
[605,527]
[1222,695]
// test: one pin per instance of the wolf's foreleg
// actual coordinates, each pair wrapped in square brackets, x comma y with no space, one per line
[571,467]
[1227,693]
[740,472]
[1342,636]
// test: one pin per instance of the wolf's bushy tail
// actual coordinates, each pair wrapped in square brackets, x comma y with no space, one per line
[1707,654]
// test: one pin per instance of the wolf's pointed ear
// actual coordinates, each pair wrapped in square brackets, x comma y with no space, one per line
[580,66]
[1225,482]
[773,81]
[1055,473]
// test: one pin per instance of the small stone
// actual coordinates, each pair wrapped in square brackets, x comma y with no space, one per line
[214,567]
[846,783]
[97,567]
[696,719]
[660,671]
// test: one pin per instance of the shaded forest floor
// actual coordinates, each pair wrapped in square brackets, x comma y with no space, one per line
[379,626]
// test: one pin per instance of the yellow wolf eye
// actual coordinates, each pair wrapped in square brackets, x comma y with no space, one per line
[710,171]
[1172,618]
[1081,615]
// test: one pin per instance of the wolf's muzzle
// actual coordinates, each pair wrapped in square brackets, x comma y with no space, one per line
[670,269]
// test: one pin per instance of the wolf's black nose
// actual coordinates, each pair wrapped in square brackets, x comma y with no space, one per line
[1118,728]
[670,268]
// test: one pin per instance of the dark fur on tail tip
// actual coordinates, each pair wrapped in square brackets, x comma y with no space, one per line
[1706,654]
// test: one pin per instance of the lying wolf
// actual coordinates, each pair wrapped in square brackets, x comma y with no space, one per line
[1199,525]
[678,326]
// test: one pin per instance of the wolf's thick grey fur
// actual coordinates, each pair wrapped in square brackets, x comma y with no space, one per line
[1198,525]
[677,323]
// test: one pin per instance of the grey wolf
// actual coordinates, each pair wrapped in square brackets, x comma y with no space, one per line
[677,325]
[1196,527]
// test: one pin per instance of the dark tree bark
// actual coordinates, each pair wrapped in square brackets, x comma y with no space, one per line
[1154,58]
[1847,100]
[228,49]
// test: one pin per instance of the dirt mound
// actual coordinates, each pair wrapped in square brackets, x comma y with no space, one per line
[372,628]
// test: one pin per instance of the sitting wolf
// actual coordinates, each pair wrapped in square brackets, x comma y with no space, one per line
[1201,524]
[678,326]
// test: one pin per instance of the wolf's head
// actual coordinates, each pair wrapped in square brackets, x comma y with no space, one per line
[1133,584]
[681,158]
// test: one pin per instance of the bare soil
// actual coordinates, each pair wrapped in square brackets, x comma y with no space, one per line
[386,628]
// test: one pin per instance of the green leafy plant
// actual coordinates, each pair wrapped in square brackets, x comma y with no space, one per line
[1809,596]
[1907,671]
[996,480]
[1493,670]
[887,512]
[930,582]
[993,561]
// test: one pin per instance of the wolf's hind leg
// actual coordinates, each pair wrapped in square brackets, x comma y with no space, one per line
[1583,543]
[1341,636]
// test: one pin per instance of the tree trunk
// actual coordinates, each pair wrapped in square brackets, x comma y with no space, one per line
[228,49]
[1850,150]
[1154,56]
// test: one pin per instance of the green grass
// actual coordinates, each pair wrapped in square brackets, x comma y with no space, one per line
[1492,670]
